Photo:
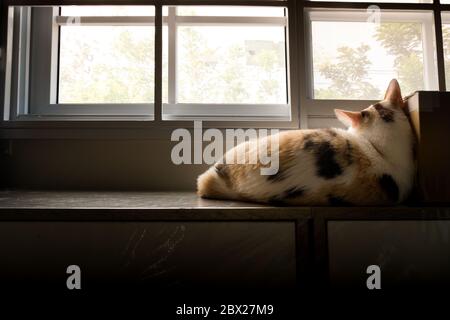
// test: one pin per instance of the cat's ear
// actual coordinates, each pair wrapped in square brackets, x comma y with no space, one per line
[348,118]
[393,94]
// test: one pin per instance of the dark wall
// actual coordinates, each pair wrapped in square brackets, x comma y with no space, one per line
[93,164]
[112,164]
[151,254]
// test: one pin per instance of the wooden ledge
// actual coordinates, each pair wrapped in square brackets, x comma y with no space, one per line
[128,205]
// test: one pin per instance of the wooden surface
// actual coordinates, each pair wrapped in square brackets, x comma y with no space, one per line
[24,205]
[92,205]
[299,234]
[111,199]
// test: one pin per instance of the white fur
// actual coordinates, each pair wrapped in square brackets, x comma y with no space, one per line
[388,146]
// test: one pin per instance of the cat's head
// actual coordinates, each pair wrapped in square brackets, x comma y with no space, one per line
[380,118]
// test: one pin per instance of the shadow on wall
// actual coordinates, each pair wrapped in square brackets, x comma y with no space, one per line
[5,163]
[55,164]
[99,165]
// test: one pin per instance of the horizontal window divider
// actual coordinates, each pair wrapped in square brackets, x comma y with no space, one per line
[79,2]
[100,105]
[365,5]
[90,118]
[259,3]
[227,110]
[237,21]
[180,20]
[107,21]
[119,130]
[220,118]
[349,15]
[98,109]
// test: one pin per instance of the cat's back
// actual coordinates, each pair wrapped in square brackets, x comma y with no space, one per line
[315,167]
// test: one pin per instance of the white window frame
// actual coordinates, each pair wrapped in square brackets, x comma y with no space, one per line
[425,18]
[320,112]
[173,110]
[44,106]
[306,112]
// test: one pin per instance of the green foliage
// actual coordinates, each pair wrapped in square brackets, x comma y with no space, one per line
[348,76]
[404,42]
[400,39]
[195,68]
[410,72]
[125,75]
[122,71]
[446,39]
[228,74]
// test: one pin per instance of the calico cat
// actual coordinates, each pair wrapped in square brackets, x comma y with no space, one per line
[370,163]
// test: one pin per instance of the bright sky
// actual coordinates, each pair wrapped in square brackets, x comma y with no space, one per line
[327,36]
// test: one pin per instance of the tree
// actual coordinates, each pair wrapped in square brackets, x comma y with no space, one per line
[446,38]
[95,71]
[348,76]
[404,42]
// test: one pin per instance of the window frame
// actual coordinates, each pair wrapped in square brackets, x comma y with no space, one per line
[47,105]
[266,115]
[320,111]
[174,110]
[354,15]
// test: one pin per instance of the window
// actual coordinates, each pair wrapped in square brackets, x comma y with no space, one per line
[354,58]
[279,63]
[105,64]
[83,62]
[219,63]
[446,45]
[225,61]
[353,49]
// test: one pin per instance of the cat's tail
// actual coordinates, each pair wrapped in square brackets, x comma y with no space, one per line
[215,183]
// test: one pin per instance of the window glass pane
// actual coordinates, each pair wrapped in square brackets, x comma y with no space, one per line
[355,59]
[106,64]
[107,11]
[230,11]
[446,43]
[231,65]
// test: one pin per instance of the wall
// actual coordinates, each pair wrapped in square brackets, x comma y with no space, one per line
[101,164]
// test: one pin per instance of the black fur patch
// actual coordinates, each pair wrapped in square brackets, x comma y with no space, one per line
[277,202]
[291,193]
[279,176]
[390,187]
[338,201]
[294,193]
[327,167]
[309,144]
[385,114]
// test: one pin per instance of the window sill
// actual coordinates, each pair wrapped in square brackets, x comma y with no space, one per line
[127,205]
[113,128]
